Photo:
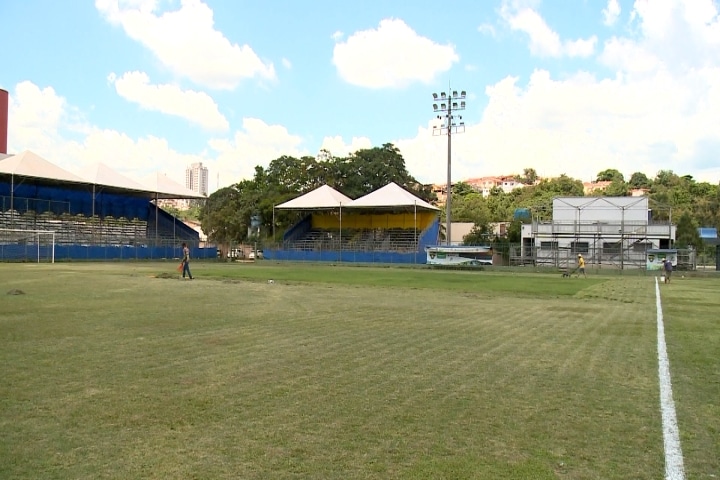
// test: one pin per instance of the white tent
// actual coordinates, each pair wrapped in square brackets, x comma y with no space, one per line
[321,197]
[391,195]
[101,174]
[164,187]
[29,164]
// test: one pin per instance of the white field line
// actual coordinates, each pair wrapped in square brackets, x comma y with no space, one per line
[674,469]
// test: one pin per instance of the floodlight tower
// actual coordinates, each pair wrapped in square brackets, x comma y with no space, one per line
[444,105]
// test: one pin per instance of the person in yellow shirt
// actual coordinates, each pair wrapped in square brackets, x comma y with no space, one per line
[581,266]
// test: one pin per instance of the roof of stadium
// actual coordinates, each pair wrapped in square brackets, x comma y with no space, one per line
[30,165]
[390,196]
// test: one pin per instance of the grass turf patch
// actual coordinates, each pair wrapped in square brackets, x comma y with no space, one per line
[335,372]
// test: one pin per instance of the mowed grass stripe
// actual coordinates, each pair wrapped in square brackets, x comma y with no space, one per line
[234,378]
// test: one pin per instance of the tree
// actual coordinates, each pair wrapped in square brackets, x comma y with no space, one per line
[479,235]
[470,208]
[219,219]
[529,176]
[687,233]
[639,180]
[462,188]
[666,178]
[369,169]
[610,175]
[514,231]
[617,188]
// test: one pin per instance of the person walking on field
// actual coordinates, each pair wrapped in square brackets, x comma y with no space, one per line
[667,266]
[186,261]
[581,266]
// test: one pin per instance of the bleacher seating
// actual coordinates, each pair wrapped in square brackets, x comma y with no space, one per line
[108,230]
[363,240]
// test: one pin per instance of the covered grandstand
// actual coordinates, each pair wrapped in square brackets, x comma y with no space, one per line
[100,215]
[389,225]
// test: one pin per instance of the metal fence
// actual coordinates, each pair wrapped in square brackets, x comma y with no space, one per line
[596,256]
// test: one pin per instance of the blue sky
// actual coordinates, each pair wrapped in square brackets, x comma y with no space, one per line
[562,87]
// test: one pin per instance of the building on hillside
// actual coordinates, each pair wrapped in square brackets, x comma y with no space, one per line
[196,178]
[484,185]
[176,203]
[639,192]
[608,231]
[590,187]
[440,191]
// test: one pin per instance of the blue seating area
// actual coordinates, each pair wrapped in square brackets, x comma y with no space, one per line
[100,226]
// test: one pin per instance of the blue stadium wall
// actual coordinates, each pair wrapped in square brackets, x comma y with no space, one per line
[63,199]
[428,237]
[101,252]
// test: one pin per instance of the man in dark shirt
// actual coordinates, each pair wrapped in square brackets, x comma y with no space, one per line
[667,266]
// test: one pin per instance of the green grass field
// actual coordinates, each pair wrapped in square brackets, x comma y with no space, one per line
[341,372]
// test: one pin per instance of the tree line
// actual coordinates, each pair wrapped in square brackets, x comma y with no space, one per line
[227,214]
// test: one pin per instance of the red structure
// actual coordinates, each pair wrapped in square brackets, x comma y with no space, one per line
[4,103]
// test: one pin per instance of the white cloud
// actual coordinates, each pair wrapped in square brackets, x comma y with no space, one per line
[338,148]
[580,47]
[256,144]
[487,29]
[685,33]
[656,111]
[186,41]
[287,63]
[611,12]
[391,56]
[544,41]
[34,114]
[197,107]
[581,125]
[337,36]
[43,122]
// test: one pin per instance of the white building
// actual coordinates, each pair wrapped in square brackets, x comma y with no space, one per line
[607,231]
[196,178]
[484,185]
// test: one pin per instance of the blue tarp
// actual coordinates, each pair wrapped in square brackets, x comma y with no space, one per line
[707,232]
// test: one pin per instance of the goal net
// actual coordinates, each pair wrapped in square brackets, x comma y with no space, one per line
[27,246]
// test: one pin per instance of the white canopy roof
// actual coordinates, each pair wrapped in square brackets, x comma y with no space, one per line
[321,197]
[164,187]
[391,195]
[29,164]
[101,174]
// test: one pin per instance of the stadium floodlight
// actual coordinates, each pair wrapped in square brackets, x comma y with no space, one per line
[449,127]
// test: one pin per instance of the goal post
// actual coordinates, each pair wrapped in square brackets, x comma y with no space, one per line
[27,245]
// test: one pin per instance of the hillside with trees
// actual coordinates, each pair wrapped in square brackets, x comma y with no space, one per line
[227,212]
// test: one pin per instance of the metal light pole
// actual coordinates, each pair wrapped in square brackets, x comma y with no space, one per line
[444,105]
